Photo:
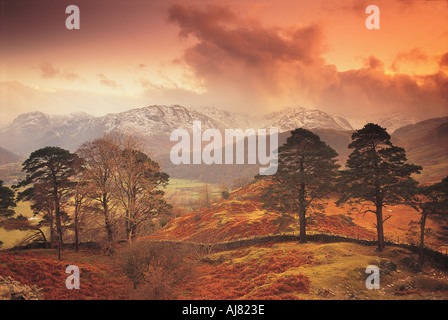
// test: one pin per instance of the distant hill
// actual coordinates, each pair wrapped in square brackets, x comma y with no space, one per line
[7,156]
[218,173]
[418,130]
[426,144]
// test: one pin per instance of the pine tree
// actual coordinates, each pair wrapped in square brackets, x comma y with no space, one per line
[7,201]
[51,168]
[307,171]
[430,200]
[377,173]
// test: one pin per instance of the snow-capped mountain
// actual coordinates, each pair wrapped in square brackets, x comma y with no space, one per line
[34,130]
[156,120]
[291,118]
[228,119]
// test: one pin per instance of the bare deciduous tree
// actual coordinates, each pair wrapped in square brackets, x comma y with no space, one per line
[97,170]
[137,184]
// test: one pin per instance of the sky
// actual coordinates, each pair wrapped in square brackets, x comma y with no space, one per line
[247,56]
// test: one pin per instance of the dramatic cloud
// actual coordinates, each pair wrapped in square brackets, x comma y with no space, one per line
[259,67]
[414,56]
[373,90]
[220,31]
[444,60]
[264,68]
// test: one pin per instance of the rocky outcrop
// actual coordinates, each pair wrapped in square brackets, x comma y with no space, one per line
[11,289]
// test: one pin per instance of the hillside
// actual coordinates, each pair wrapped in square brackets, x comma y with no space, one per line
[40,268]
[258,270]
[242,216]
[288,270]
[418,130]
[334,271]
[270,271]
[7,156]
[425,144]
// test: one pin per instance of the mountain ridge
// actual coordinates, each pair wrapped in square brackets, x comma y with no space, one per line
[36,129]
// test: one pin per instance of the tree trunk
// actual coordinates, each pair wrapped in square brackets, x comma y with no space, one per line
[76,231]
[302,221]
[422,237]
[107,222]
[51,232]
[128,227]
[110,235]
[58,221]
[133,231]
[302,208]
[379,223]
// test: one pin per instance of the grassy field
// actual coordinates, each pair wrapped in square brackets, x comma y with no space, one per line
[13,237]
[192,187]
[183,192]
[10,173]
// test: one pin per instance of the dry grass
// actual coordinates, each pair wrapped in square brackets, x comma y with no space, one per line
[98,278]
[310,271]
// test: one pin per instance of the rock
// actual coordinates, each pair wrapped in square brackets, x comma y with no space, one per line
[387,266]
[11,289]
[405,287]
[414,264]
[325,292]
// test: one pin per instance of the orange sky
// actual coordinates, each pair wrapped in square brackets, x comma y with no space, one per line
[246,56]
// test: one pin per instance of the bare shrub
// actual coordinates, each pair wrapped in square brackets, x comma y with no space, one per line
[155,268]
